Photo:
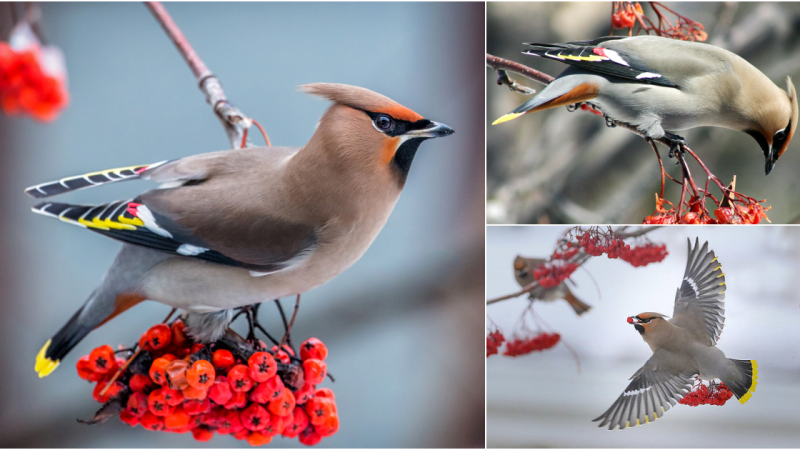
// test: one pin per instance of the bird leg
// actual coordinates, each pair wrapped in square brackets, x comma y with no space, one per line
[676,143]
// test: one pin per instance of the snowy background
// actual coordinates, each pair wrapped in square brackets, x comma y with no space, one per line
[403,325]
[539,400]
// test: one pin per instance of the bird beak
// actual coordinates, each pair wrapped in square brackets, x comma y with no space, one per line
[435,130]
[633,320]
[770,160]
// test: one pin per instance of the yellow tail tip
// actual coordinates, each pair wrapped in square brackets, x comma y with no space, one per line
[752,389]
[507,117]
[44,365]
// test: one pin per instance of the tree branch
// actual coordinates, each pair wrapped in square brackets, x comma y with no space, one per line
[233,120]
[503,64]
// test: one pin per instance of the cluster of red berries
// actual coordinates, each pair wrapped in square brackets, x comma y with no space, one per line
[551,273]
[750,213]
[624,16]
[522,346]
[597,244]
[176,385]
[494,340]
[27,86]
[642,255]
[703,395]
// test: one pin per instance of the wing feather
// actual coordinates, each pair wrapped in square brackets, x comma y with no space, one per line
[700,300]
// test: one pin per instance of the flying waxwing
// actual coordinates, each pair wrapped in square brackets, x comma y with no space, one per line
[661,85]
[683,347]
[523,272]
[238,227]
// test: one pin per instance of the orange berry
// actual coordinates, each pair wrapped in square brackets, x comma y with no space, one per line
[177,419]
[140,383]
[304,394]
[137,404]
[256,439]
[202,434]
[262,366]
[239,378]
[171,396]
[329,427]
[220,392]
[158,405]
[102,359]
[309,437]
[201,374]
[314,370]
[313,348]
[192,393]
[320,409]
[159,336]
[158,371]
[126,417]
[112,392]
[283,405]
[223,359]
[255,417]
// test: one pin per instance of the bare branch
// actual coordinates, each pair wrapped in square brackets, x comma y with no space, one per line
[233,120]
[503,64]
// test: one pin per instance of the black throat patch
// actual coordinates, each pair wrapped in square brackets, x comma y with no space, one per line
[639,328]
[401,163]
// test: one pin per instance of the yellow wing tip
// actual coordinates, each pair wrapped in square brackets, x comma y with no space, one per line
[507,117]
[752,389]
[44,365]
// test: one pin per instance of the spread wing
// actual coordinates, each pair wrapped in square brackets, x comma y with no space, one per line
[700,301]
[196,217]
[596,57]
[654,388]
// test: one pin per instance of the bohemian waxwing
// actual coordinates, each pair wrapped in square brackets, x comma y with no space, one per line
[683,347]
[238,227]
[523,272]
[662,85]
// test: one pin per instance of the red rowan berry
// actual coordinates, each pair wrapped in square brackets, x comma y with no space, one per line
[313,348]
[262,366]
[202,434]
[102,359]
[239,378]
[314,370]
[254,417]
[201,374]
[223,359]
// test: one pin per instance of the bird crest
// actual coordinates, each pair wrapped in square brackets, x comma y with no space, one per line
[361,98]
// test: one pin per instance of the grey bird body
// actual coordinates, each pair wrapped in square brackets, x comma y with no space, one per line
[238,227]
[661,85]
[683,347]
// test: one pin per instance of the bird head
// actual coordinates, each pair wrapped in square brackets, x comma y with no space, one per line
[775,126]
[647,322]
[369,130]
[520,265]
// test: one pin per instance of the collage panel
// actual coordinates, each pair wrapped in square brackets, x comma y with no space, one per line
[242,224]
[678,336]
[713,79]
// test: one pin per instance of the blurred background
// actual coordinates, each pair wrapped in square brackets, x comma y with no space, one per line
[560,167]
[540,400]
[403,325]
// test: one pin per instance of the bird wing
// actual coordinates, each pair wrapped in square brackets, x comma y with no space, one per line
[212,213]
[700,301]
[656,387]
[596,56]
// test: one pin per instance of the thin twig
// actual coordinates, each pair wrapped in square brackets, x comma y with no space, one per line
[233,120]
[291,322]
[497,63]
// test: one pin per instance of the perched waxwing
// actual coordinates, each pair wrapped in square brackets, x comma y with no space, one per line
[683,347]
[238,227]
[523,272]
[661,85]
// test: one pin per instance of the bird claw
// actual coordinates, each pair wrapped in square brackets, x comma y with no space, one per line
[676,144]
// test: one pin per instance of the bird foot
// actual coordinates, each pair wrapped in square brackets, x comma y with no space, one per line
[676,144]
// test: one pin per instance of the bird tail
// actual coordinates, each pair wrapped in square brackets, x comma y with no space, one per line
[68,184]
[98,309]
[579,306]
[562,91]
[745,384]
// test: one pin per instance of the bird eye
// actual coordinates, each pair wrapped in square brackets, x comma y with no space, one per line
[779,135]
[384,123]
